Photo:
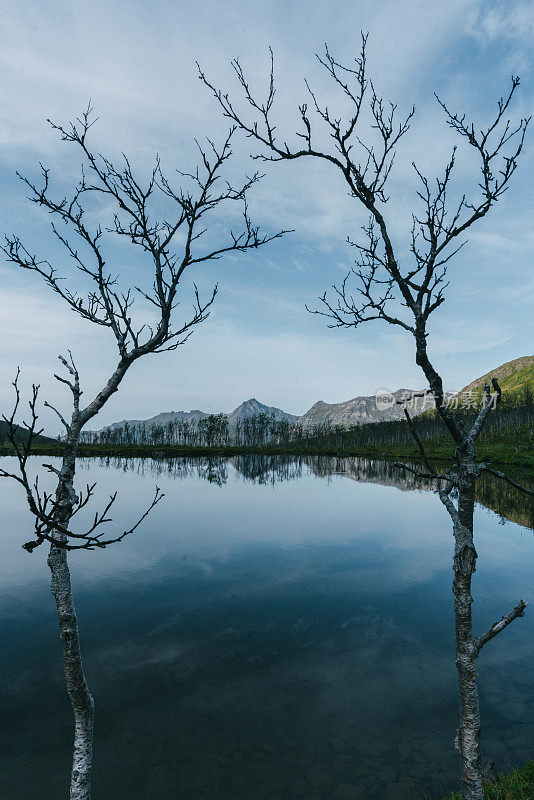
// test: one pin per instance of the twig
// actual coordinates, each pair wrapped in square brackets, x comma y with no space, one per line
[486,467]
[497,627]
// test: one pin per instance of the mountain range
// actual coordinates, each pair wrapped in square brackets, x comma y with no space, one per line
[512,376]
[359,410]
[247,409]
[364,409]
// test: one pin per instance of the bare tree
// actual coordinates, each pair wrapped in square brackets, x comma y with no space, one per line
[170,245]
[405,292]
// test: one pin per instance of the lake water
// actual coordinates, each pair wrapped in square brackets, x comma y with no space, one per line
[278,629]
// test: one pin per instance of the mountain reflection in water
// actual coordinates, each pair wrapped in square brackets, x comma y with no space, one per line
[278,628]
[492,493]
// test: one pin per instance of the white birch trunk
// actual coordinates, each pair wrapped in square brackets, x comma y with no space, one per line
[468,737]
[77,688]
[80,697]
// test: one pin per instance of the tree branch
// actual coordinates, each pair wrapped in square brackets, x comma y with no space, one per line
[495,472]
[497,627]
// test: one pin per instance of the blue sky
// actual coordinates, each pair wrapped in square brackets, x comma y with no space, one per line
[136,62]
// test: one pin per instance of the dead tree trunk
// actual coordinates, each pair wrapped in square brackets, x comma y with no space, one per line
[468,735]
[80,696]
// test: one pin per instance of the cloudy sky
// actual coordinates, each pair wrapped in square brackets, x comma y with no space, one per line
[136,62]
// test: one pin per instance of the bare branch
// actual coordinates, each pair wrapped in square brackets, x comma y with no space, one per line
[47,527]
[489,404]
[425,475]
[170,244]
[495,472]
[497,627]
[418,442]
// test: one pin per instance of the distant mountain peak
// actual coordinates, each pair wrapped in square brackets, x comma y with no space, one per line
[252,403]
[253,406]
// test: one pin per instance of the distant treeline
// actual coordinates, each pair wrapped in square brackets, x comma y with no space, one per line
[515,412]
[211,431]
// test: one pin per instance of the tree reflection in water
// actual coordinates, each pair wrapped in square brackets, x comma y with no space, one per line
[501,498]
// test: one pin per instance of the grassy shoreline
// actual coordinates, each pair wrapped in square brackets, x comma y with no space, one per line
[499,452]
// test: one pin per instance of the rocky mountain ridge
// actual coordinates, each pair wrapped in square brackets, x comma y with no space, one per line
[358,410]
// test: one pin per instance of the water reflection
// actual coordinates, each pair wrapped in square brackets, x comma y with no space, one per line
[280,628]
[492,493]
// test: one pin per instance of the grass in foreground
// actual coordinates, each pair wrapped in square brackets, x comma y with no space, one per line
[517,785]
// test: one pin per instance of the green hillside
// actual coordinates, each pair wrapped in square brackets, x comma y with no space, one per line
[22,434]
[513,377]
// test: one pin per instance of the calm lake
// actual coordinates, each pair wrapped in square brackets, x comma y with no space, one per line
[277,629]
